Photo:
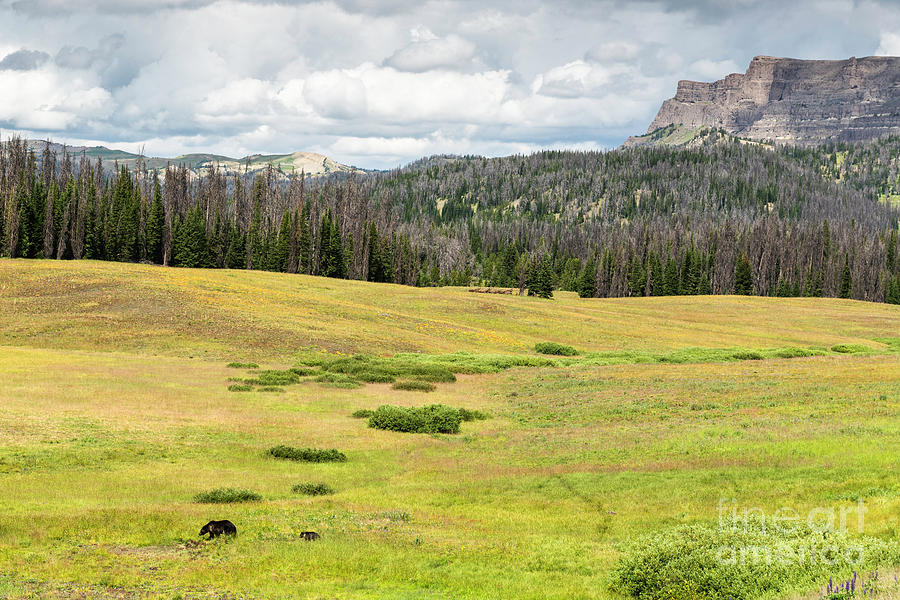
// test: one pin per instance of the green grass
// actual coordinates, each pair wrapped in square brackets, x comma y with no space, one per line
[114,415]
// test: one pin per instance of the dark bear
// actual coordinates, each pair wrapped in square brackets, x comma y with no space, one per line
[217,528]
[309,536]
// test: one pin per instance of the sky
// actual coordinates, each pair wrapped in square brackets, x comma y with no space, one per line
[377,84]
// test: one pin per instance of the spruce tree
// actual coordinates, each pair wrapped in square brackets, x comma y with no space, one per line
[846,279]
[282,252]
[540,279]
[587,281]
[304,243]
[743,277]
[154,225]
[189,249]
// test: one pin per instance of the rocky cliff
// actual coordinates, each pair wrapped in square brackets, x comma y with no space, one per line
[794,101]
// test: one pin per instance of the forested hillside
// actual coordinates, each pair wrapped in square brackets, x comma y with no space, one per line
[722,217]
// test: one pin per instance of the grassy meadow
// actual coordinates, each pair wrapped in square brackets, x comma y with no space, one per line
[115,413]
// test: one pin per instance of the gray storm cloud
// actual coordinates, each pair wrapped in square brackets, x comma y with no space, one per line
[23,60]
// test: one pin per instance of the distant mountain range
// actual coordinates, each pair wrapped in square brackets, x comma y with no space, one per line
[310,163]
[789,101]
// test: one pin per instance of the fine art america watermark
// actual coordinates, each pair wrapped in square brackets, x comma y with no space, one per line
[788,536]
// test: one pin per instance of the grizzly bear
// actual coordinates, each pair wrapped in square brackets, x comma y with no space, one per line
[309,536]
[217,528]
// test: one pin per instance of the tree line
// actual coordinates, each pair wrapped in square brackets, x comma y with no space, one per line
[720,218]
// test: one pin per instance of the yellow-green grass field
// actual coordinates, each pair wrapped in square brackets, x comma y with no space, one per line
[115,413]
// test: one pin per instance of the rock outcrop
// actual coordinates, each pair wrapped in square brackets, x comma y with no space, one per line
[794,101]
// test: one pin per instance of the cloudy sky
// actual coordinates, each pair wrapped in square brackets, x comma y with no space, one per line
[380,83]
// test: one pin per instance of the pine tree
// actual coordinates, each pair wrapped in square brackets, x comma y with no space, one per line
[892,294]
[189,247]
[331,248]
[671,280]
[154,226]
[540,278]
[846,279]
[304,243]
[743,277]
[587,281]
[282,252]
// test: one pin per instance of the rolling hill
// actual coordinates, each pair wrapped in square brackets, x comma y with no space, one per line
[311,163]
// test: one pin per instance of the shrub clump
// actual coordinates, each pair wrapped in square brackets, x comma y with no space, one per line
[315,455]
[372,369]
[303,371]
[414,386]
[362,413]
[240,387]
[313,489]
[850,348]
[741,559]
[240,365]
[275,377]
[471,415]
[270,388]
[338,380]
[747,355]
[555,349]
[434,418]
[226,496]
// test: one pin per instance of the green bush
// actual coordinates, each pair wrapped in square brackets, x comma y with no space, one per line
[747,355]
[395,418]
[555,349]
[240,387]
[240,365]
[373,369]
[313,489]
[742,559]
[303,371]
[434,418]
[471,415]
[315,455]
[226,496]
[270,388]
[362,413]
[414,386]
[273,377]
[850,348]
[338,380]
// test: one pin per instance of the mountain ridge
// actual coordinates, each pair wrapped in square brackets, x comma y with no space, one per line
[792,101]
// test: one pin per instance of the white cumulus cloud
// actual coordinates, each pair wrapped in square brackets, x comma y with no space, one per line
[427,52]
